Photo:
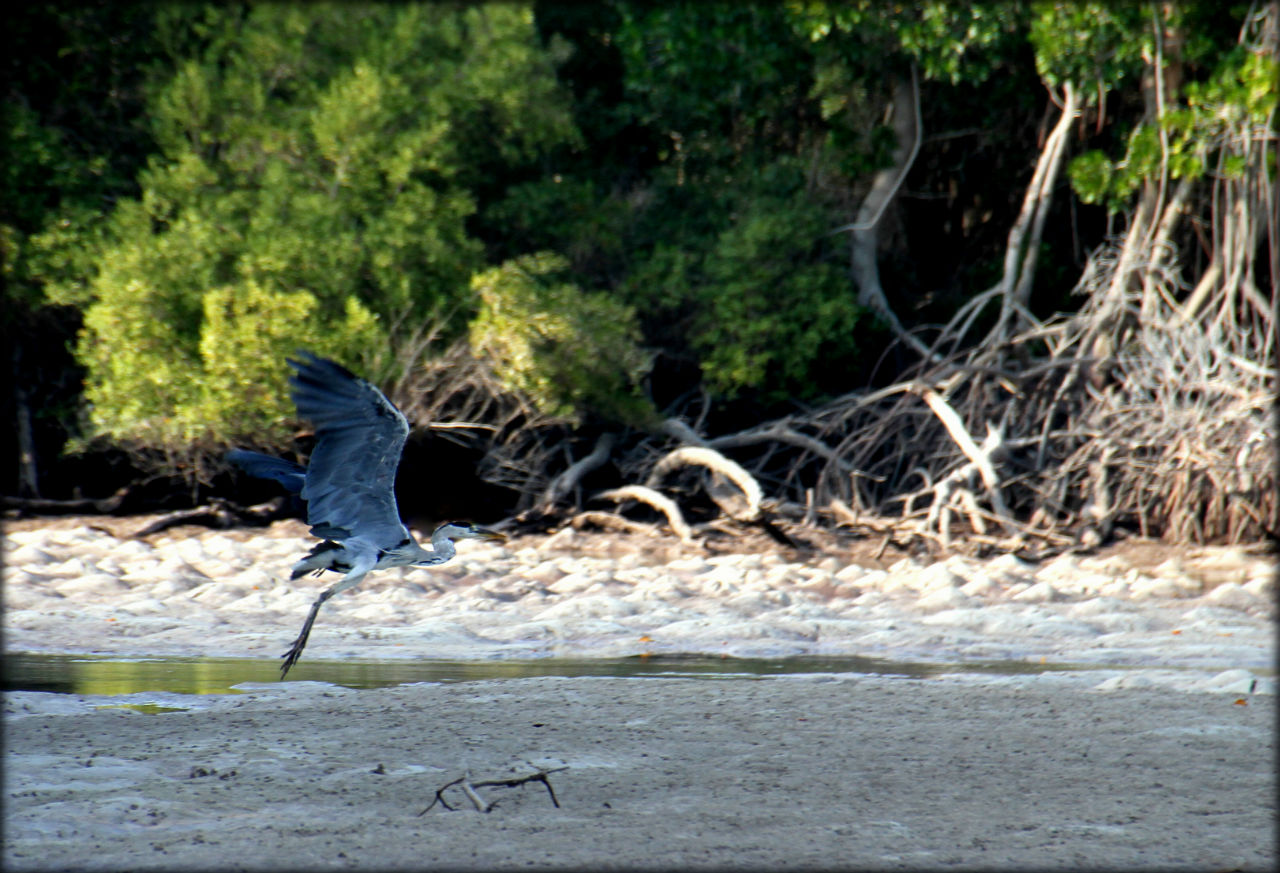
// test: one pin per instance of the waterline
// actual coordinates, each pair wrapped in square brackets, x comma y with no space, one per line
[80,674]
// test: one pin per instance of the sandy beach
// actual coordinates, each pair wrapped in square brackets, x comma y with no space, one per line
[1158,753]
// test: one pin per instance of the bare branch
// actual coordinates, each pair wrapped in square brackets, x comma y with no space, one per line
[778,431]
[716,463]
[1014,287]
[884,186]
[569,479]
[610,521]
[660,502]
[481,805]
[677,429]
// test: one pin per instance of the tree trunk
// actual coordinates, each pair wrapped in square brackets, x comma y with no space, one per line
[1023,247]
[28,472]
[885,185]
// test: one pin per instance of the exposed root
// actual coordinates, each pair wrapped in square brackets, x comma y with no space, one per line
[610,521]
[1149,409]
[663,504]
[742,505]
[569,479]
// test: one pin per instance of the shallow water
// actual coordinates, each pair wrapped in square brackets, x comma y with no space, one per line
[78,674]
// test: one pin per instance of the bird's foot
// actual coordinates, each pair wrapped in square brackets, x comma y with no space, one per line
[291,657]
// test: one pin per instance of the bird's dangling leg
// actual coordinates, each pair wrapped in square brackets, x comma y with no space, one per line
[295,650]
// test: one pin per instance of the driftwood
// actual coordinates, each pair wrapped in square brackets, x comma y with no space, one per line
[469,788]
[951,488]
[780,432]
[84,505]
[220,515]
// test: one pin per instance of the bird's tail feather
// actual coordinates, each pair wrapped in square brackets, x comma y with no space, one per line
[323,557]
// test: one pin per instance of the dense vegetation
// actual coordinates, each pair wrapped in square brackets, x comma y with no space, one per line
[611,215]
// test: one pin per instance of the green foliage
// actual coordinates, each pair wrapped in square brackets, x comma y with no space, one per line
[68,138]
[213,186]
[741,274]
[1242,90]
[858,47]
[247,333]
[714,78]
[955,42]
[1197,126]
[569,350]
[1091,175]
[771,310]
[1090,43]
[950,42]
[34,154]
[570,215]
[311,184]
[232,384]
[767,304]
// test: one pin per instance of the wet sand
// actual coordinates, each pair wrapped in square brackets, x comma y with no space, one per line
[814,773]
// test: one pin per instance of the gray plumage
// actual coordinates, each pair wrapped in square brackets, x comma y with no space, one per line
[349,484]
[287,473]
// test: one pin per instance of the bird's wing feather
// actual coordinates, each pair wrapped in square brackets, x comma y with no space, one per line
[350,487]
[287,473]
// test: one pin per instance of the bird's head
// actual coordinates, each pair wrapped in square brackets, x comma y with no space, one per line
[457,530]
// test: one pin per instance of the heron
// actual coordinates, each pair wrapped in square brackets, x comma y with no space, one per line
[349,485]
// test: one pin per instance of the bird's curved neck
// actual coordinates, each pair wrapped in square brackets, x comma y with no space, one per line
[442,548]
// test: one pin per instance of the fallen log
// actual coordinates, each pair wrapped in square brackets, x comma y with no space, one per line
[220,515]
[79,506]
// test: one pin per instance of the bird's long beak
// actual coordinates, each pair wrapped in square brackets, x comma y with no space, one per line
[486,534]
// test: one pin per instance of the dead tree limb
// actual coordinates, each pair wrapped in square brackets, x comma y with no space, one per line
[469,788]
[884,187]
[677,429]
[1018,294]
[716,463]
[611,521]
[48,506]
[658,501]
[1099,511]
[28,472]
[1022,249]
[569,479]
[979,462]
[220,515]
[780,432]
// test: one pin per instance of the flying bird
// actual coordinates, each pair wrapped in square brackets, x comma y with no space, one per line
[349,485]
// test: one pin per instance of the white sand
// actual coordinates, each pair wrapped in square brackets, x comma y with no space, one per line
[216,594]
[1165,766]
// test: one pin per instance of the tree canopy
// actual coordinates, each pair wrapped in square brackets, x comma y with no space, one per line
[622,207]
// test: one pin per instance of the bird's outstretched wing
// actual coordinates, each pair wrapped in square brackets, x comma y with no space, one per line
[287,473]
[350,484]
